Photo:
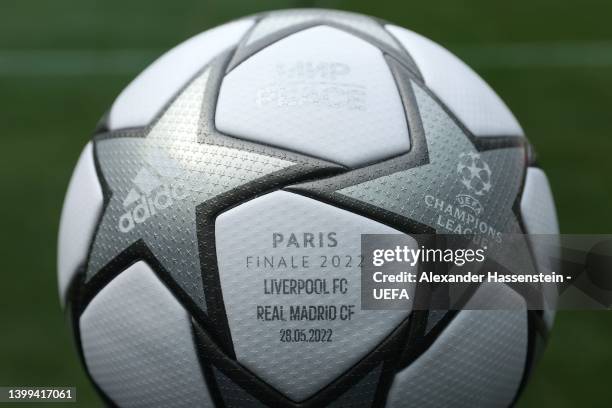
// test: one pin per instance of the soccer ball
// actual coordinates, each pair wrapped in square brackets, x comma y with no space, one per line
[209,245]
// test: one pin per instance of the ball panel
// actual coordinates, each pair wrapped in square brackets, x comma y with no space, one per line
[540,219]
[138,346]
[298,369]
[322,92]
[465,93]
[537,204]
[145,96]
[80,215]
[477,361]
[285,19]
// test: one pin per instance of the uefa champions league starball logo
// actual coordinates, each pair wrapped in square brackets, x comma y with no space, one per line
[474,173]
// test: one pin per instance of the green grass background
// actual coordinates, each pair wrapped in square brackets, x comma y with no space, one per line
[48,108]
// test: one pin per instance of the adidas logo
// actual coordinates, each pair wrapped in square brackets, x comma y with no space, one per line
[152,193]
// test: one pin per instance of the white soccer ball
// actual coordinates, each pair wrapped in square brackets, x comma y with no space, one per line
[209,245]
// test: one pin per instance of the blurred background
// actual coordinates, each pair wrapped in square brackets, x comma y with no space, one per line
[62,63]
